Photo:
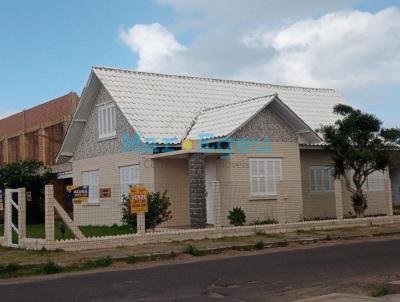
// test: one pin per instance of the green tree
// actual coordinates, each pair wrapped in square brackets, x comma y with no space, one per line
[33,176]
[359,144]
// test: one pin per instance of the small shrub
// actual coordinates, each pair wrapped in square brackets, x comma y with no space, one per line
[131,259]
[259,245]
[62,229]
[51,268]
[158,213]
[102,262]
[237,217]
[172,255]
[192,250]
[6,270]
[380,291]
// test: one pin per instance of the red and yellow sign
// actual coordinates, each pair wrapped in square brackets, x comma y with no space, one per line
[138,199]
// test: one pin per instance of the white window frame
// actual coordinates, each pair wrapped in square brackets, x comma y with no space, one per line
[129,176]
[106,120]
[91,179]
[375,182]
[262,184]
[313,173]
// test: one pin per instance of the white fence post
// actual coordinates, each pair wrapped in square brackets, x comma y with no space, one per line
[339,198]
[21,215]
[216,195]
[7,218]
[49,214]
[388,193]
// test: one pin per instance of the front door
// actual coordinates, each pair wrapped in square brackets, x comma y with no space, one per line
[211,175]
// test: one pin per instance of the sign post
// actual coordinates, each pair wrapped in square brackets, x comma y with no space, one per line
[139,206]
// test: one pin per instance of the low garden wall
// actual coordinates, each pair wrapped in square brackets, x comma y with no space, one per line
[198,234]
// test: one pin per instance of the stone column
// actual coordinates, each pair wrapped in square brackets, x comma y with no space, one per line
[21,214]
[339,198]
[197,193]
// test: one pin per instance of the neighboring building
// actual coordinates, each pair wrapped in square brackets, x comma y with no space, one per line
[37,133]
[121,111]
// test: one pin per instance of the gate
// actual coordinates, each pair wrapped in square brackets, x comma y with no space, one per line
[14,217]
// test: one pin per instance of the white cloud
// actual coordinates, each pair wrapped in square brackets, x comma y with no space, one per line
[346,50]
[155,46]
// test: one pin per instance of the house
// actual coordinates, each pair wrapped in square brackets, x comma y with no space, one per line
[182,134]
[37,133]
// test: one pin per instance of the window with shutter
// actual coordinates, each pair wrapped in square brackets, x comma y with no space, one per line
[265,173]
[107,123]
[128,176]
[322,179]
[91,179]
[374,183]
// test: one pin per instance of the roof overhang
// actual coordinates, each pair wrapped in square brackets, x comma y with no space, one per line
[79,119]
[185,153]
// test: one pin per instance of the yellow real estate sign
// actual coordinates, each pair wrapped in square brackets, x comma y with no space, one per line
[138,199]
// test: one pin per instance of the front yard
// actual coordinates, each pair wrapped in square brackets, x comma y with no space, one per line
[38,231]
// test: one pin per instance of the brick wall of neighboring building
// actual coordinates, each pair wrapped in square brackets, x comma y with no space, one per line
[37,133]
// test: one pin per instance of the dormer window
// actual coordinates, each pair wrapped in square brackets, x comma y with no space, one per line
[107,124]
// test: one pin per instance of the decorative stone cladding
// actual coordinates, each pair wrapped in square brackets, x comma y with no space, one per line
[267,123]
[197,187]
[89,144]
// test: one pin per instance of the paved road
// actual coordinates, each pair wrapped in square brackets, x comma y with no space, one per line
[271,276]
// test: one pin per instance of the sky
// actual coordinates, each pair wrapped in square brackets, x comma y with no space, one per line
[47,47]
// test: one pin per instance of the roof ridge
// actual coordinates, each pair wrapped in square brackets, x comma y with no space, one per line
[283,87]
[238,102]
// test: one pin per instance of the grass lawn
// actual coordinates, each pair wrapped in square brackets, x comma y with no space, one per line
[37,231]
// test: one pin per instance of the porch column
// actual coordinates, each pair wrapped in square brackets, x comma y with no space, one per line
[197,187]
[339,198]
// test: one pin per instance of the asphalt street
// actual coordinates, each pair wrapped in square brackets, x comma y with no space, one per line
[271,276]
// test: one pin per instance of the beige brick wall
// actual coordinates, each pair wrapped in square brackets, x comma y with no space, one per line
[316,204]
[234,176]
[322,205]
[172,175]
[107,212]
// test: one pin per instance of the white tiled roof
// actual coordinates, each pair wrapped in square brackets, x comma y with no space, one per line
[223,120]
[163,107]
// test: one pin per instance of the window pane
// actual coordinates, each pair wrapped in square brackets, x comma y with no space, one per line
[254,170]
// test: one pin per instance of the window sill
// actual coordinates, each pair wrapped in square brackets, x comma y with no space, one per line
[100,139]
[264,197]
